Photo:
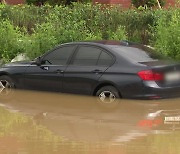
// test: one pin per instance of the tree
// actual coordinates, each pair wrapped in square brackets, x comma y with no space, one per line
[55,2]
[148,3]
[36,2]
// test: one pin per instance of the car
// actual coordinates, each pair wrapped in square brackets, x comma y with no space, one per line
[107,69]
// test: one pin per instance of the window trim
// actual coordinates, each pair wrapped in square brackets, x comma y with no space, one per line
[56,48]
[112,61]
[93,46]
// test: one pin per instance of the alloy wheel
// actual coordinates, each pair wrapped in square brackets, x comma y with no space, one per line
[5,87]
[5,84]
[107,97]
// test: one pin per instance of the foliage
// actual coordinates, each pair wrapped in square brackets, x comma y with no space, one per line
[10,40]
[41,2]
[168,35]
[42,28]
[147,3]
[119,34]
[55,2]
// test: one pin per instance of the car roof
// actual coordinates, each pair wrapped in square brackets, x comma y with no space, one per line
[103,42]
[111,43]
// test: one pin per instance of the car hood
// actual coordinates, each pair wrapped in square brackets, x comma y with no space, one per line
[20,63]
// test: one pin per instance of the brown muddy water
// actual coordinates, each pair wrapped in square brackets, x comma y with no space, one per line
[48,123]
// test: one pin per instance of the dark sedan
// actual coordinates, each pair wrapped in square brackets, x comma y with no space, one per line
[107,69]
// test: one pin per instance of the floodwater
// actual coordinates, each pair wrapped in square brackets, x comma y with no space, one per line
[47,123]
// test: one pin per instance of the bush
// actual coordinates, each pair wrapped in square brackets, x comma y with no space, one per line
[61,26]
[10,41]
[147,3]
[70,24]
[25,16]
[168,35]
[54,2]
[42,28]
[119,34]
[42,2]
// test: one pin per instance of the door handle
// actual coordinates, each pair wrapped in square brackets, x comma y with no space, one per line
[45,68]
[97,71]
[59,71]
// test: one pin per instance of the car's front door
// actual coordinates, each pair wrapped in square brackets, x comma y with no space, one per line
[87,66]
[49,75]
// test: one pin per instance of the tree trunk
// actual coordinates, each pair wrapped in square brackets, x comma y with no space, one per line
[159,5]
[3,1]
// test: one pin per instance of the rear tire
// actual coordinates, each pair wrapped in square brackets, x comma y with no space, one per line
[108,97]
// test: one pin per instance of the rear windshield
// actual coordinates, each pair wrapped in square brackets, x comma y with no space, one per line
[137,54]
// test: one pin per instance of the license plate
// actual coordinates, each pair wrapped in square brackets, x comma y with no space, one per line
[173,76]
[172,119]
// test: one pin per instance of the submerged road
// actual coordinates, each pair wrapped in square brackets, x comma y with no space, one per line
[77,124]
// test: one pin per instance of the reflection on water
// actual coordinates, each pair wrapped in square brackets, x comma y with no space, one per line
[48,123]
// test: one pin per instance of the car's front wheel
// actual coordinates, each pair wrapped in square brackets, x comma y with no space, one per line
[6,86]
[108,97]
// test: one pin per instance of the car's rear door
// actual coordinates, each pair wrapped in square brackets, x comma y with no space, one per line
[87,66]
[49,75]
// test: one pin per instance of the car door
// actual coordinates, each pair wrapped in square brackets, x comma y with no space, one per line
[87,66]
[49,75]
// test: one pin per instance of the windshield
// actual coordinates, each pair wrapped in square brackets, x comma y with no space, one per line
[137,53]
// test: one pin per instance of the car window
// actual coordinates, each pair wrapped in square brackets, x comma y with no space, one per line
[59,56]
[137,54]
[105,59]
[87,56]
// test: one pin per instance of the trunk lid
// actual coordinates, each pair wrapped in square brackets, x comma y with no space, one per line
[170,71]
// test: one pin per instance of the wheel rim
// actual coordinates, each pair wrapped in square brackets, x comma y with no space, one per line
[5,84]
[5,88]
[107,97]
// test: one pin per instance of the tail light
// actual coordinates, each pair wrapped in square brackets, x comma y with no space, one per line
[149,75]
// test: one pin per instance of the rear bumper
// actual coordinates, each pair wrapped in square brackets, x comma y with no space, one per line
[152,91]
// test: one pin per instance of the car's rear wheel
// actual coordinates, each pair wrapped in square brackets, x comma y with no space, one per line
[6,86]
[108,97]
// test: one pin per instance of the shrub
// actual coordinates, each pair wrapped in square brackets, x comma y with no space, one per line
[70,24]
[147,3]
[41,28]
[168,35]
[25,16]
[40,41]
[10,41]
[119,34]
[54,2]
[41,2]
[61,26]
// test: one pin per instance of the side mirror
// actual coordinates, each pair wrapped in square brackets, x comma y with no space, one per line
[38,61]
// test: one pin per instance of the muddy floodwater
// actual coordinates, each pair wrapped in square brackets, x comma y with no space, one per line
[47,123]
